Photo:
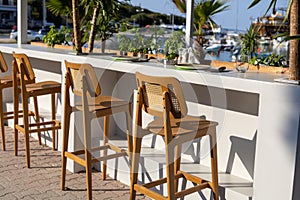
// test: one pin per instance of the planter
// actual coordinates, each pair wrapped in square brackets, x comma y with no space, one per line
[169,62]
[122,53]
[270,69]
[142,55]
[132,54]
[66,47]
[158,56]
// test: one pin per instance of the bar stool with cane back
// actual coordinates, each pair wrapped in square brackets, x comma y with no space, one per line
[5,82]
[82,80]
[24,83]
[163,98]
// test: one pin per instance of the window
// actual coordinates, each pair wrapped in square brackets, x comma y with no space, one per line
[5,2]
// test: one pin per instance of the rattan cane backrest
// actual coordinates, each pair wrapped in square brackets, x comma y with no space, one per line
[152,92]
[3,66]
[76,71]
[22,60]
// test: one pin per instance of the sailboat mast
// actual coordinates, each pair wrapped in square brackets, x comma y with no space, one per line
[237,16]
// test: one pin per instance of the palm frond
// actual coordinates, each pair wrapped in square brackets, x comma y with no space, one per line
[181,5]
[254,3]
[58,7]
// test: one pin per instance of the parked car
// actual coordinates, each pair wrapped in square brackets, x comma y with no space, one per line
[44,31]
[31,35]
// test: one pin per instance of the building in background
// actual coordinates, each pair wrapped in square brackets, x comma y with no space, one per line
[8,14]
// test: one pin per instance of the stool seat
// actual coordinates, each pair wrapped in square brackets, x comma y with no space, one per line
[6,80]
[102,103]
[181,126]
[43,88]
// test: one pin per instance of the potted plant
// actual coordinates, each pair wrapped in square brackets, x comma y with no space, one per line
[124,44]
[138,44]
[155,41]
[54,37]
[173,44]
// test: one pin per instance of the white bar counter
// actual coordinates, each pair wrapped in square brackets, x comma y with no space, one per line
[258,119]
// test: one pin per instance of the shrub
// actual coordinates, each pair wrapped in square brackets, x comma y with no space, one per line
[173,43]
[54,37]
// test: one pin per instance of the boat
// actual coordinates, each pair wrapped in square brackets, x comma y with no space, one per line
[213,48]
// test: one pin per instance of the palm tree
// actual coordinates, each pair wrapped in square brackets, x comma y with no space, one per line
[106,19]
[293,11]
[95,16]
[104,12]
[60,7]
[294,44]
[204,10]
[96,10]
[181,5]
[76,26]
[249,42]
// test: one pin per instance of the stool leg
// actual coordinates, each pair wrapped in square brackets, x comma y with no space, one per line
[26,129]
[214,164]
[37,118]
[170,171]
[129,134]
[65,142]
[65,133]
[53,119]
[16,117]
[88,155]
[88,169]
[135,165]
[2,121]
[105,141]
[177,163]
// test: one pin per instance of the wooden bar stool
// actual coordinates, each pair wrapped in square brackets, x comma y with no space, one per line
[5,82]
[82,80]
[163,97]
[24,83]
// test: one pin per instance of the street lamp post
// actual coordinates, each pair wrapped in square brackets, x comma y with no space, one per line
[139,10]
[172,22]
[44,13]
[189,22]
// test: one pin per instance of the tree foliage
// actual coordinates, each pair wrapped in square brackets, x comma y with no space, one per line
[249,42]
[293,11]
[203,13]
[204,10]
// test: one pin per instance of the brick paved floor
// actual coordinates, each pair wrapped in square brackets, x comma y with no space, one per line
[42,181]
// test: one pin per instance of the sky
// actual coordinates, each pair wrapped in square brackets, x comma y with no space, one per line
[236,17]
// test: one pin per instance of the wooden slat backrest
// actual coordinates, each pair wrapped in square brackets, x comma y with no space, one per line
[3,66]
[76,71]
[153,88]
[22,60]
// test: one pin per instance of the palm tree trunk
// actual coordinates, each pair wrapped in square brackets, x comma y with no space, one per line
[93,32]
[76,26]
[103,45]
[294,65]
[200,40]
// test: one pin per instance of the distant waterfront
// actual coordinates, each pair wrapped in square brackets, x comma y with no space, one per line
[224,56]
[264,49]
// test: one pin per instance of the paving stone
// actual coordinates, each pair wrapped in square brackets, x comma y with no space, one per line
[42,180]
